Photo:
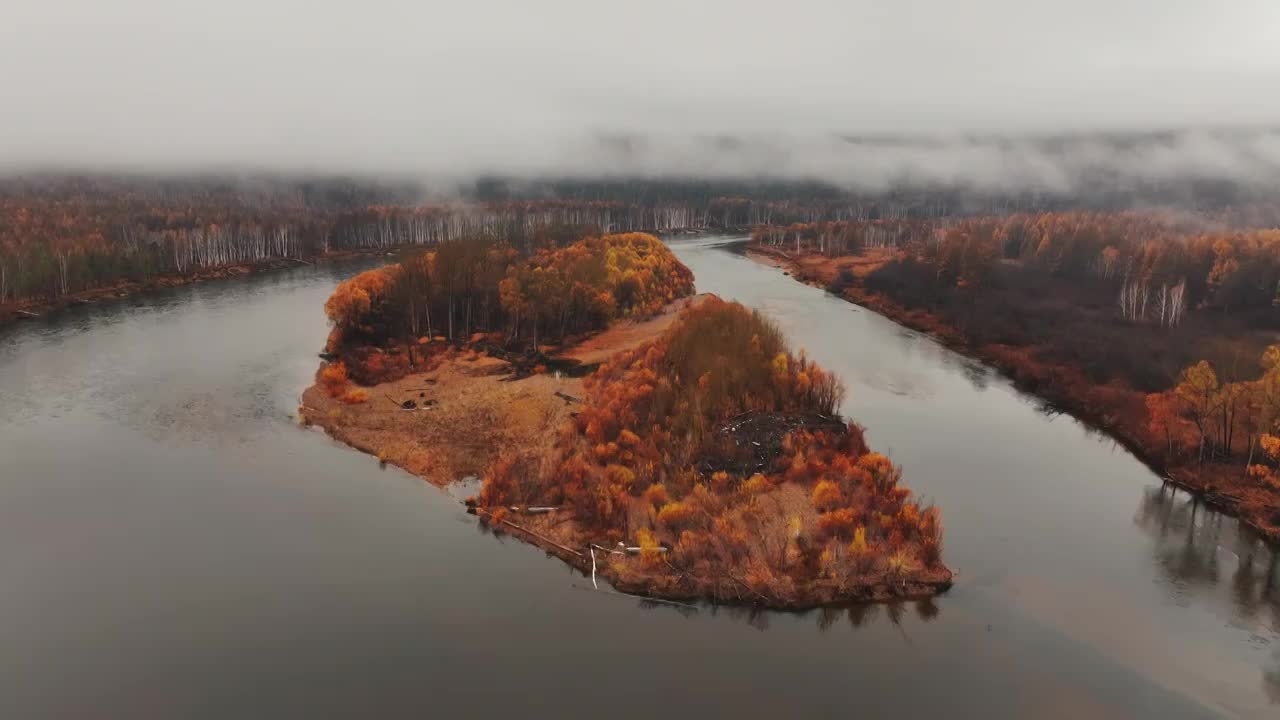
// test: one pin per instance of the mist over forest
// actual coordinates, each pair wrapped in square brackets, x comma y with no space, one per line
[988,96]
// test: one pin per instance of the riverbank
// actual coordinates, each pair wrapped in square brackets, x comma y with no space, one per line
[35,309]
[1114,409]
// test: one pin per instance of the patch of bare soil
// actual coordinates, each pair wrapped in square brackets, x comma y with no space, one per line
[467,409]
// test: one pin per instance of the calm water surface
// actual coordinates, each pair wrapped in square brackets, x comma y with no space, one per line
[173,545]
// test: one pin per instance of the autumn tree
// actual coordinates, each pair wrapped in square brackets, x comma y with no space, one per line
[1198,392]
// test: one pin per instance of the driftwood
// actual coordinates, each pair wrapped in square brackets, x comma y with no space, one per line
[637,550]
[26,313]
[534,510]
[567,398]
[543,538]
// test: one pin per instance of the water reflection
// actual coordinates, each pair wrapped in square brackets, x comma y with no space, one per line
[858,616]
[1271,678]
[1187,535]
[1199,550]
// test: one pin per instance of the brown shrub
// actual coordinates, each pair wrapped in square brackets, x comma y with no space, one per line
[333,378]
[656,495]
[827,495]
[356,396]
[838,523]
[677,516]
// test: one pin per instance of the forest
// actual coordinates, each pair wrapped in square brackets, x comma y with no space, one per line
[719,453]
[516,296]
[66,234]
[1161,327]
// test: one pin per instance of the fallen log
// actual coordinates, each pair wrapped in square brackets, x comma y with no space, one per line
[637,550]
[26,313]
[534,510]
[488,515]
[567,398]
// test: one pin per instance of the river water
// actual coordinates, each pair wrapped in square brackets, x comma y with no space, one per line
[172,544]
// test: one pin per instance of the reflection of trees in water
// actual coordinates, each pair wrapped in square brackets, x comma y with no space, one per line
[927,610]
[860,615]
[978,374]
[1188,537]
[865,614]
[1253,585]
[1271,678]
[753,616]
[1046,408]
[827,618]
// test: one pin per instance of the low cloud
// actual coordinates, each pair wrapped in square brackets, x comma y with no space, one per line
[993,94]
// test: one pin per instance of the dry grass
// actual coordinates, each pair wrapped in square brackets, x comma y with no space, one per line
[475,415]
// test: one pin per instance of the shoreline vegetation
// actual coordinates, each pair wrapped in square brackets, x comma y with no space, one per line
[1208,426]
[667,442]
[70,238]
[35,308]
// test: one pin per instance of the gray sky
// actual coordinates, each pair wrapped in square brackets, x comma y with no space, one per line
[530,86]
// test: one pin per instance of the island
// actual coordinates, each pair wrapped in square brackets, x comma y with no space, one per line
[669,443]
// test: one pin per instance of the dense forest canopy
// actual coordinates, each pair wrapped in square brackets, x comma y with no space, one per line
[1142,257]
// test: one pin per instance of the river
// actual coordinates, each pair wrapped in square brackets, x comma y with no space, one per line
[172,544]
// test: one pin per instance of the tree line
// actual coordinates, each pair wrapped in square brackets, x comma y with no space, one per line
[1154,266]
[58,239]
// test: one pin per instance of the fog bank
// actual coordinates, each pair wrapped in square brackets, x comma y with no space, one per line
[857,92]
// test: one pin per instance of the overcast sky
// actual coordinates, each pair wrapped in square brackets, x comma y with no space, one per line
[530,86]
